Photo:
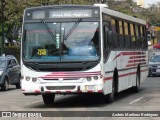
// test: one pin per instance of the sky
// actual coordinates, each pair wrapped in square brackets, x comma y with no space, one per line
[150,2]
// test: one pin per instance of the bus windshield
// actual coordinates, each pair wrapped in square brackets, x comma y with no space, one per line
[61,41]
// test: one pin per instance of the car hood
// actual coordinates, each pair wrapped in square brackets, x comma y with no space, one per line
[154,63]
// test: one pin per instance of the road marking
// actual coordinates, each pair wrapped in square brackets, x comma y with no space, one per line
[135,100]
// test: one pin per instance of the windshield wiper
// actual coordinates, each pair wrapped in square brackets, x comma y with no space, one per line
[72,29]
[49,30]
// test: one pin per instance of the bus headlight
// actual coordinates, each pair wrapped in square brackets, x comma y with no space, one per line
[89,78]
[27,78]
[95,77]
[34,79]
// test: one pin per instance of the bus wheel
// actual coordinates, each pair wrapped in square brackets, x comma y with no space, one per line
[48,98]
[137,87]
[110,97]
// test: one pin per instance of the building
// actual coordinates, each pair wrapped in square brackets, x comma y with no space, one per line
[140,3]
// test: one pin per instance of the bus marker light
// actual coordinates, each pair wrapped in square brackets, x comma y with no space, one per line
[27,78]
[101,76]
[37,91]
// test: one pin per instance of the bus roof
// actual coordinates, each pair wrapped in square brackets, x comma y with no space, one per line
[59,6]
[103,8]
[122,16]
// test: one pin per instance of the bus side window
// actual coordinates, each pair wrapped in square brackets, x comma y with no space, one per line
[95,39]
[110,42]
[106,42]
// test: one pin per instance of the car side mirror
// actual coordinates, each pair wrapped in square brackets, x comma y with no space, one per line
[10,66]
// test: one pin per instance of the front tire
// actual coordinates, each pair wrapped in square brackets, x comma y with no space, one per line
[109,98]
[48,98]
[18,84]
[5,86]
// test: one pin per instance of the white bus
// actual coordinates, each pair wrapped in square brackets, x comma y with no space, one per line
[74,49]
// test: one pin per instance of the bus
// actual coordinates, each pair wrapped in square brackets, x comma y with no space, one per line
[81,49]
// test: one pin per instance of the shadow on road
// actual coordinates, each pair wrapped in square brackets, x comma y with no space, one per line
[10,89]
[90,100]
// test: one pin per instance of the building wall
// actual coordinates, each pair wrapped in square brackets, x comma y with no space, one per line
[140,3]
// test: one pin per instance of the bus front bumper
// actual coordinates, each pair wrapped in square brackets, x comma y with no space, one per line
[30,88]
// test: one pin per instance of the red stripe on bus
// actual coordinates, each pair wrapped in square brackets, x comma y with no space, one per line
[58,91]
[144,70]
[70,74]
[128,53]
[79,91]
[134,57]
[133,65]
[22,89]
[108,78]
[127,74]
[131,61]
[48,91]
[90,91]
[52,77]
[123,75]
[68,91]
[100,91]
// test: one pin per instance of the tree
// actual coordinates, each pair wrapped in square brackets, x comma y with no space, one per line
[14,10]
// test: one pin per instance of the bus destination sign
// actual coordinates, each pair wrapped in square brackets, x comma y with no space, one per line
[70,13]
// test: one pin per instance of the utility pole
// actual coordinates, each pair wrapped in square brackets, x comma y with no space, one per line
[2,22]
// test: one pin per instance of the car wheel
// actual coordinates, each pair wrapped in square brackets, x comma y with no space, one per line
[48,98]
[18,85]
[5,86]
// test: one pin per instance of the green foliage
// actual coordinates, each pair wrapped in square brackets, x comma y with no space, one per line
[13,10]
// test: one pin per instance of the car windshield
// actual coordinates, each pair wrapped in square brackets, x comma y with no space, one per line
[2,62]
[61,41]
[155,58]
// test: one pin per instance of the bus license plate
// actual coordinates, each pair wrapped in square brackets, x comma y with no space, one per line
[90,87]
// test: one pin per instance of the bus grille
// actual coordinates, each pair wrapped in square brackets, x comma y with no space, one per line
[60,87]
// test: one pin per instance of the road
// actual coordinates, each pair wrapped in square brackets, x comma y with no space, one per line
[148,99]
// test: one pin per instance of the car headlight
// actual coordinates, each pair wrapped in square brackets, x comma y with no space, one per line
[1,72]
